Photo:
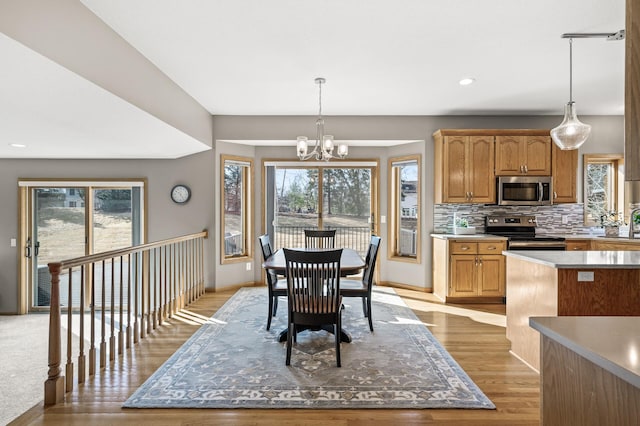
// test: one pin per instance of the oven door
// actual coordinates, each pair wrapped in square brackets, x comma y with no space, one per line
[536,245]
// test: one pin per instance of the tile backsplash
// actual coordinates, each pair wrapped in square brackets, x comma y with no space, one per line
[549,218]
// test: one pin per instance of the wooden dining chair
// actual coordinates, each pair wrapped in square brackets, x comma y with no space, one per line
[362,288]
[314,238]
[313,288]
[277,287]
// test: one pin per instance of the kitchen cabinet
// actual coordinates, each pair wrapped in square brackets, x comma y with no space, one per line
[464,169]
[608,244]
[468,270]
[564,171]
[523,155]
[578,245]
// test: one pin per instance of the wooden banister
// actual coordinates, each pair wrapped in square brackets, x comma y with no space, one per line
[162,278]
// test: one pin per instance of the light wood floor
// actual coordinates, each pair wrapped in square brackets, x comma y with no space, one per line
[470,336]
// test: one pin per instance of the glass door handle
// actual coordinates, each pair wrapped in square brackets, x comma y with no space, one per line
[37,248]
[27,249]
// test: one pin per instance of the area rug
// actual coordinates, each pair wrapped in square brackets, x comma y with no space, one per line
[233,362]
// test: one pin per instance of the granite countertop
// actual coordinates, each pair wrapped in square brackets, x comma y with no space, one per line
[580,259]
[468,237]
[612,343]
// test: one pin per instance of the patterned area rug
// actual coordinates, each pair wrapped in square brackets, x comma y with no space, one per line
[233,362]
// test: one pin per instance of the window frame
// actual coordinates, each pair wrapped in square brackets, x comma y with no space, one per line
[394,208]
[247,209]
[616,161]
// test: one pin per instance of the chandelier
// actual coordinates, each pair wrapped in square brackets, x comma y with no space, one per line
[572,133]
[324,145]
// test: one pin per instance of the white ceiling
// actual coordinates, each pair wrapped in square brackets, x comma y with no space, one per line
[380,57]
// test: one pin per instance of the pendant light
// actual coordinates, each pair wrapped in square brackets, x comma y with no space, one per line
[572,133]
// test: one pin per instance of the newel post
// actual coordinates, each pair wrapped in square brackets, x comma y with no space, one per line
[54,385]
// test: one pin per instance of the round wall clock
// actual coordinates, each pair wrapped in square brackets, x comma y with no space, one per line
[180,194]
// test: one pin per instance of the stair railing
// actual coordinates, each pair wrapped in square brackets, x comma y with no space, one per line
[116,298]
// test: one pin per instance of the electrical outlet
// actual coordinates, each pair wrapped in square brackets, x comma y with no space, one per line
[248,266]
[565,219]
[585,276]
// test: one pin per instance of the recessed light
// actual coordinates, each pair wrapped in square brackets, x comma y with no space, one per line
[18,145]
[467,81]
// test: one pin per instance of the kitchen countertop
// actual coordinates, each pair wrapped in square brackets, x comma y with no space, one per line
[611,343]
[468,237]
[580,259]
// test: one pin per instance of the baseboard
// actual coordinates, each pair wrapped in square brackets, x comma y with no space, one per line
[235,287]
[405,286]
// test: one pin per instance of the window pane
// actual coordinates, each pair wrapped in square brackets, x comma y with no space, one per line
[405,206]
[112,219]
[234,209]
[296,205]
[599,191]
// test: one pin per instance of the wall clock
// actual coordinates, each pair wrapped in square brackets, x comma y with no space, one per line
[180,194]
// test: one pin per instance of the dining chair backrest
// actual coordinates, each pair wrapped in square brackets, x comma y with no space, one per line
[313,281]
[370,260]
[265,244]
[314,238]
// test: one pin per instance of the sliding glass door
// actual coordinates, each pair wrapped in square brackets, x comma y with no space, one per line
[301,196]
[65,222]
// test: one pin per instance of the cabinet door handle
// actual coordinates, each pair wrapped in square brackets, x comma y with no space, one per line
[491,248]
[480,260]
[471,195]
[476,261]
[521,169]
[526,169]
[464,248]
[555,195]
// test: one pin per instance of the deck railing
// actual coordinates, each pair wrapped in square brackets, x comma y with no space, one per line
[134,289]
[354,237]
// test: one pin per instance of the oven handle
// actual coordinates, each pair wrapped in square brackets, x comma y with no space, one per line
[560,245]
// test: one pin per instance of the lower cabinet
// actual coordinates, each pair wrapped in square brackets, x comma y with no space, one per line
[578,245]
[474,270]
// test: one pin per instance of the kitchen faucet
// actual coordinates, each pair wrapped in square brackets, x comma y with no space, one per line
[632,222]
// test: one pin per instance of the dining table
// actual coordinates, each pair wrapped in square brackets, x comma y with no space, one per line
[351,263]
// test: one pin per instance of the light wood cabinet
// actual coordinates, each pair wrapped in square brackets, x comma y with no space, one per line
[471,271]
[464,169]
[564,170]
[523,155]
[622,245]
[578,245]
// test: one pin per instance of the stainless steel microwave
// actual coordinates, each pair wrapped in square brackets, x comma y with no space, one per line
[525,190]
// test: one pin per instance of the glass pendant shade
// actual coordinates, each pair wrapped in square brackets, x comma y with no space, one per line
[571,133]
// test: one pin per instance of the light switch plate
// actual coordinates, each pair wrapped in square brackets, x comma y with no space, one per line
[585,276]
[383,219]
[248,266]
[12,242]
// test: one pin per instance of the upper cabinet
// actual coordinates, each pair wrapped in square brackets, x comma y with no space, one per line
[464,166]
[467,161]
[564,166]
[523,155]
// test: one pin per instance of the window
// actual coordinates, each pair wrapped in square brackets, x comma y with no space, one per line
[236,208]
[603,187]
[404,208]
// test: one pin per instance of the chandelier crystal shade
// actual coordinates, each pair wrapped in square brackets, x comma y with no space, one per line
[572,133]
[324,144]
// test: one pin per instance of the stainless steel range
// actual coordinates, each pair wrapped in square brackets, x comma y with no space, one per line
[521,231]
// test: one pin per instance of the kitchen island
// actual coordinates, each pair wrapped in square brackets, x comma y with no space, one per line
[590,371]
[557,283]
